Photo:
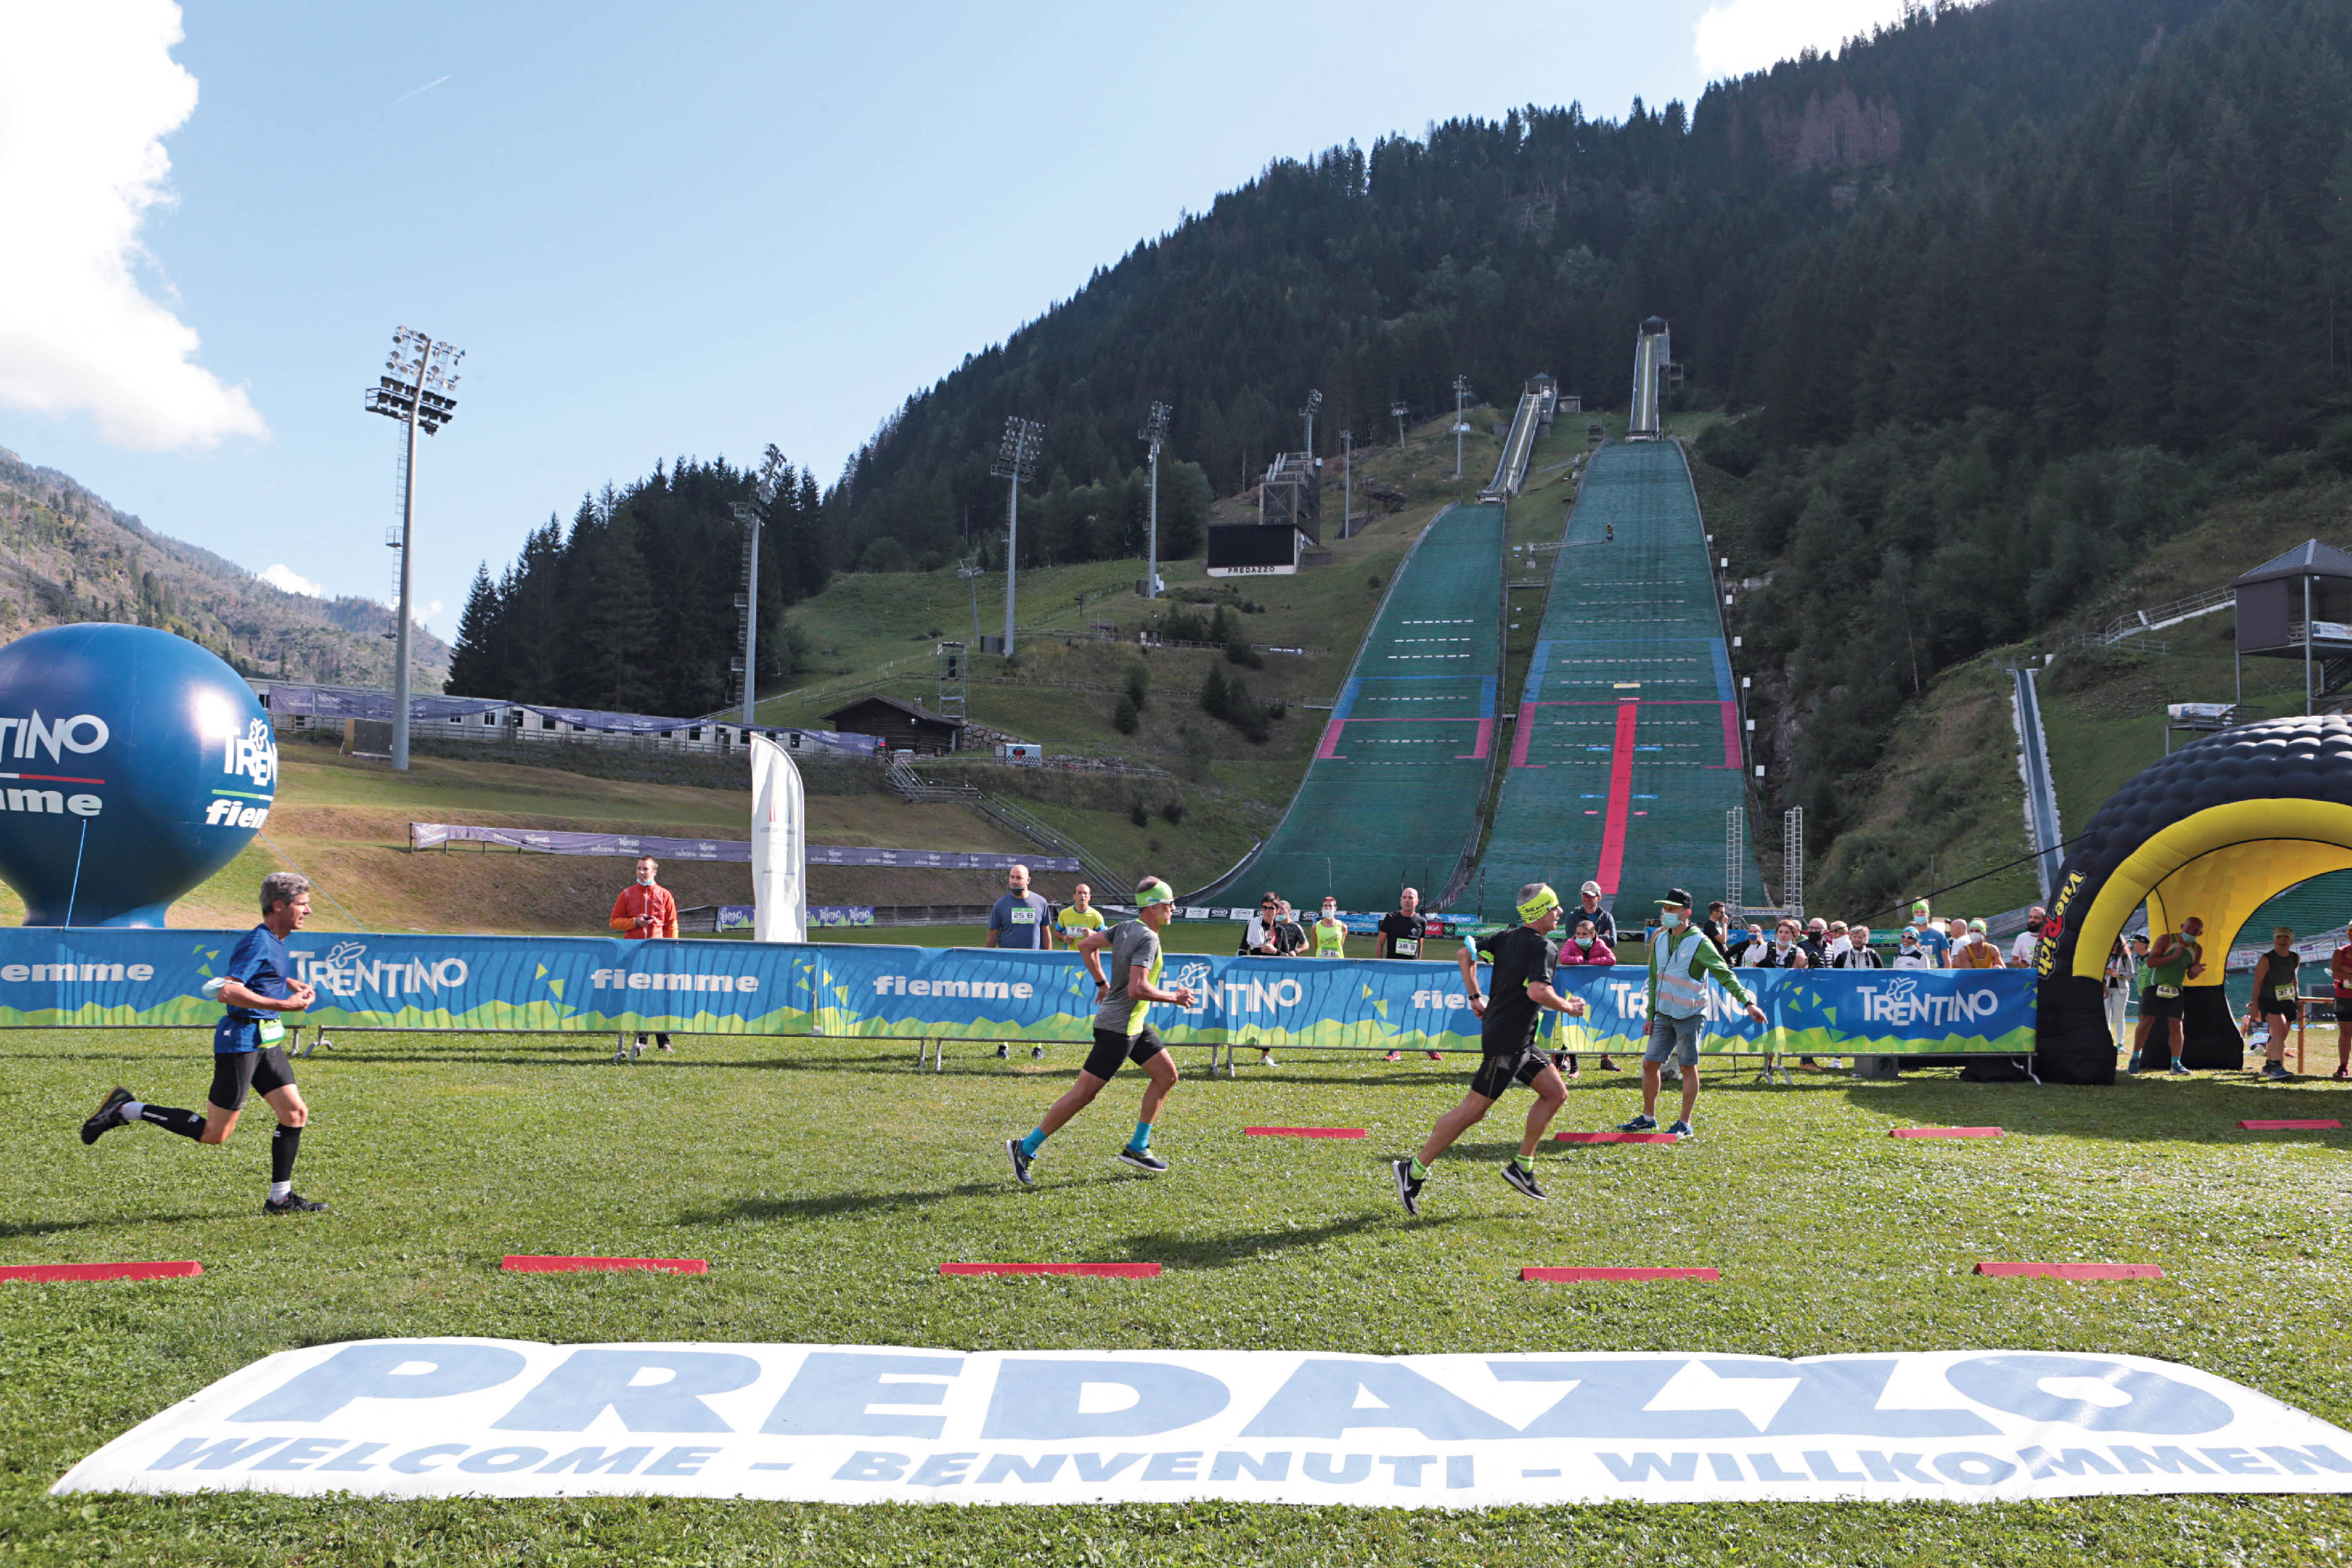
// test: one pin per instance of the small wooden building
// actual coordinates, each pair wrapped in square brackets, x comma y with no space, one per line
[903,726]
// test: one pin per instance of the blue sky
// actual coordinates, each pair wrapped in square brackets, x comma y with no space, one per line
[692,228]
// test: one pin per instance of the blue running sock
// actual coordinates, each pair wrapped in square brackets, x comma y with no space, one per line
[1034,1141]
[1142,1139]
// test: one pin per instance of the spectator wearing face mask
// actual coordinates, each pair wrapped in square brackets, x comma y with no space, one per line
[1932,937]
[1911,953]
[1815,935]
[2021,949]
[1976,950]
[1585,948]
[1748,946]
[1786,949]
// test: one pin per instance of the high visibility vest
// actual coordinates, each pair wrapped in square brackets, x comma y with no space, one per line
[1681,994]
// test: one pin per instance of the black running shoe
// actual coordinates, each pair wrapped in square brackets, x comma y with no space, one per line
[1143,1160]
[1003,1050]
[292,1202]
[108,1114]
[1408,1185]
[1520,1177]
[1020,1158]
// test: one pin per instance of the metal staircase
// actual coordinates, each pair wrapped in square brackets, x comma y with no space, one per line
[910,785]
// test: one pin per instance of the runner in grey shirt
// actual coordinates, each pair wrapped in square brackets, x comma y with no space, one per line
[1122,998]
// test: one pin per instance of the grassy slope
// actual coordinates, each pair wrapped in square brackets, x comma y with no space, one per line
[1948,795]
[1832,1238]
[869,627]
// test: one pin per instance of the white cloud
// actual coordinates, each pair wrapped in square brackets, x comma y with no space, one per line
[1735,36]
[287,580]
[88,91]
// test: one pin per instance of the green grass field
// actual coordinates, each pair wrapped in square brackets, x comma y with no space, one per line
[825,1180]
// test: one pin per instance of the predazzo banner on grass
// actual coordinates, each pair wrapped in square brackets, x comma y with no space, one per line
[441,1417]
[52,978]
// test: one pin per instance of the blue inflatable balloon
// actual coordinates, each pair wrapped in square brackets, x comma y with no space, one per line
[133,764]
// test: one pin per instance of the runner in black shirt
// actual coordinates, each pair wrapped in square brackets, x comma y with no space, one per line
[1404,934]
[1521,988]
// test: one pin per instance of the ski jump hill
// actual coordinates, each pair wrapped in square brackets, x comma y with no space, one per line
[1391,797]
[1625,754]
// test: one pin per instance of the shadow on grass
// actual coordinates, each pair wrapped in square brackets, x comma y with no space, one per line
[11,1230]
[837,1205]
[1193,1249]
[2196,1111]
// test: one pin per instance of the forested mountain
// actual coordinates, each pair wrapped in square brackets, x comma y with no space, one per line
[67,555]
[1996,298]
[632,608]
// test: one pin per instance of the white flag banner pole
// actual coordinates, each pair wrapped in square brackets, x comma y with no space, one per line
[778,846]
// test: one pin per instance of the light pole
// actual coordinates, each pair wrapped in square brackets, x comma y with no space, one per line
[763,490]
[1461,393]
[1396,411]
[1348,480]
[1016,463]
[1314,402]
[418,387]
[1155,432]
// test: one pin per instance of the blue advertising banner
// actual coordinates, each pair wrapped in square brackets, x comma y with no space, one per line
[52,978]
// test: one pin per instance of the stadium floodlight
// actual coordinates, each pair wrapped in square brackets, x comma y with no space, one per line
[418,387]
[1460,394]
[1016,463]
[747,513]
[1154,434]
[1314,402]
[1397,411]
[1347,471]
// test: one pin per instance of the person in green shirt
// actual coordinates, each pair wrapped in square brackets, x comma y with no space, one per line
[1330,931]
[2173,960]
[1682,962]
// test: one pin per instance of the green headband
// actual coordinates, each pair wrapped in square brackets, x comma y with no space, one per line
[1146,897]
[1544,901]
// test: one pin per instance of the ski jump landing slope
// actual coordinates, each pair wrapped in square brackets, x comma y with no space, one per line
[1392,793]
[1626,752]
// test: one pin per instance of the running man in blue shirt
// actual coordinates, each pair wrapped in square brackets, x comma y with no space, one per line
[249,1052]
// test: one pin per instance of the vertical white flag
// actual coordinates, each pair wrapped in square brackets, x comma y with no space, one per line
[778,846]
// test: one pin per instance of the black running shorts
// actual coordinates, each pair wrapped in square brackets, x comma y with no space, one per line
[236,1073]
[2290,1011]
[1114,1051]
[2343,1010]
[2151,1006]
[1498,1070]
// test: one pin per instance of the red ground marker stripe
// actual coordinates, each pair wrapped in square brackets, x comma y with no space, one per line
[1521,733]
[1614,1138]
[1621,797]
[1094,1270]
[1304,1132]
[2072,1270]
[1731,736]
[1569,1275]
[1944,1133]
[41,1273]
[517,1263]
[2288,1126]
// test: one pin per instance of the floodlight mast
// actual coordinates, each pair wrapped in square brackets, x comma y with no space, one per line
[1016,464]
[1396,411]
[1155,432]
[763,490]
[1347,480]
[418,388]
[1461,393]
[1314,402]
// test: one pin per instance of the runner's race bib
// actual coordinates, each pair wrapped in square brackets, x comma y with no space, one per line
[1024,916]
[269,1031]
[2168,991]
[1405,946]
[2283,993]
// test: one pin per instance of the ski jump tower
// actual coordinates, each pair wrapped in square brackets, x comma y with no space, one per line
[1653,356]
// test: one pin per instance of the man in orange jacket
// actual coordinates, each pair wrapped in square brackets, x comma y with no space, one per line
[646,911]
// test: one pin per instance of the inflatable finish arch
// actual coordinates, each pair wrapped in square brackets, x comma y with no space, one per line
[2214,830]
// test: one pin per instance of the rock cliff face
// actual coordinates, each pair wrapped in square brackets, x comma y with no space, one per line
[1841,131]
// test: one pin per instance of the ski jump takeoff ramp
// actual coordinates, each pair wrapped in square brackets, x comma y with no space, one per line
[1392,793]
[1626,752]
